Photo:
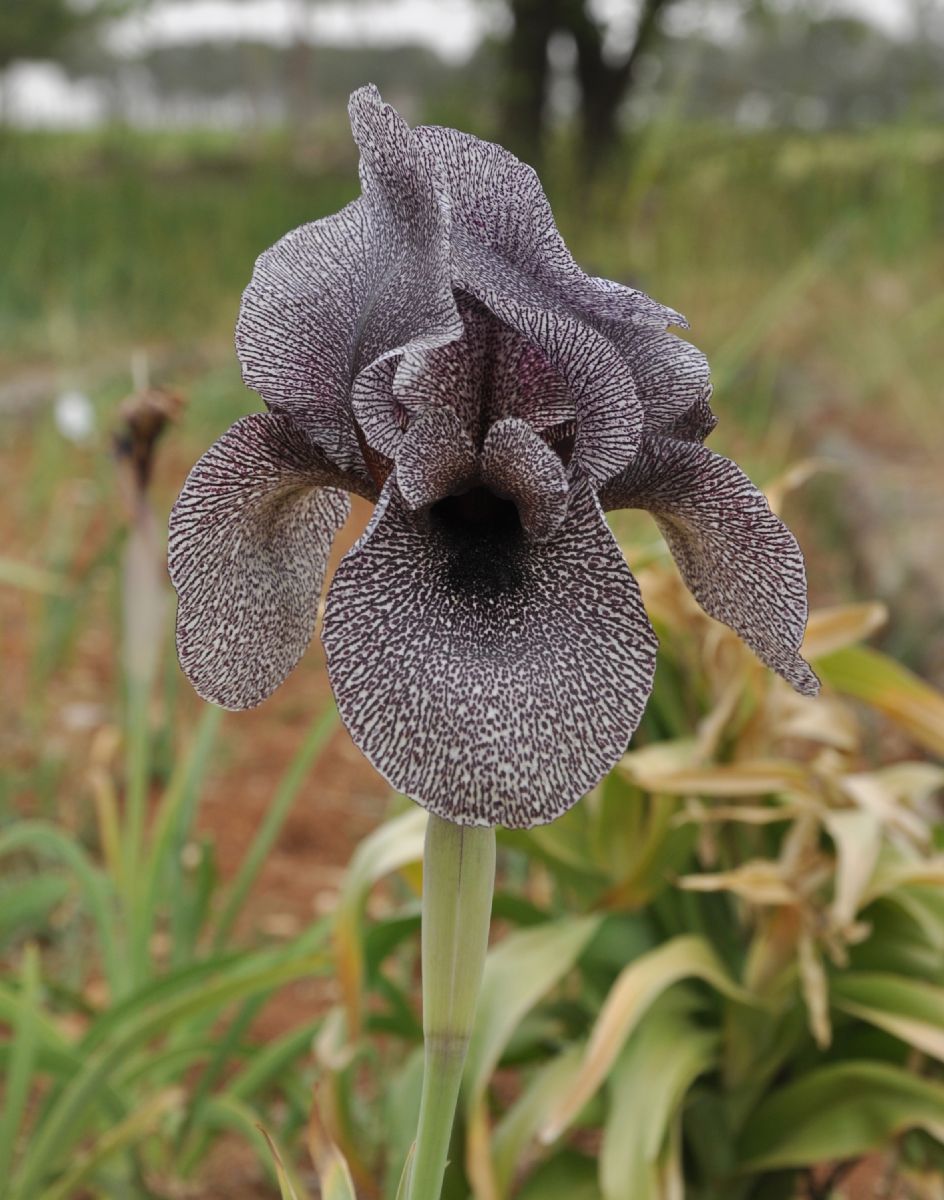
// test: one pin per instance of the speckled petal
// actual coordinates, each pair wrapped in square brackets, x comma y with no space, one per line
[518,465]
[435,458]
[336,295]
[493,679]
[670,375]
[378,411]
[249,541]
[489,373]
[609,417]
[505,241]
[740,562]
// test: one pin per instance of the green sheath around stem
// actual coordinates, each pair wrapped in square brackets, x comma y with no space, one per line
[458,881]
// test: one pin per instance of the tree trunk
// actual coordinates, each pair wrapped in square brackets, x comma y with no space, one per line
[525,77]
[604,86]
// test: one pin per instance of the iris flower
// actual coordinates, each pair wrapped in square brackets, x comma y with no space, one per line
[435,348]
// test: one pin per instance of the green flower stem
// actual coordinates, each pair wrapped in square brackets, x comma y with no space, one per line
[458,881]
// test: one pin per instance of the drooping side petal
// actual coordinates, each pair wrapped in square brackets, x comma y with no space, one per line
[518,465]
[435,458]
[493,679]
[739,561]
[336,295]
[249,541]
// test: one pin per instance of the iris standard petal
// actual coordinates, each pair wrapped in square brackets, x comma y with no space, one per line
[249,541]
[491,372]
[519,466]
[609,418]
[670,375]
[493,679]
[739,561]
[505,241]
[336,295]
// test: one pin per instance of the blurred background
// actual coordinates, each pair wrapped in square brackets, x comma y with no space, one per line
[772,168]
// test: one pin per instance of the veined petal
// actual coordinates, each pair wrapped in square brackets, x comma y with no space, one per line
[740,562]
[492,678]
[518,465]
[670,375]
[435,458]
[249,541]
[491,372]
[505,241]
[336,295]
[608,416]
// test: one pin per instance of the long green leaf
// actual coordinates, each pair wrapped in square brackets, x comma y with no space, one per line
[635,990]
[838,1112]
[869,675]
[394,845]
[908,1009]
[518,1129]
[23,1059]
[96,887]
[74,1107]
[658,1064]
[272,823]
[139,1125]
[170,826]
[521,969]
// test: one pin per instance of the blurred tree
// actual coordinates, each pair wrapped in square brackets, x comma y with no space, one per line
[36,28]
[604,83]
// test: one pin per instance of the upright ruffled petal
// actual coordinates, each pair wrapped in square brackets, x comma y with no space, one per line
[609,419]
[249,541]
[334,296]
[492,678]
[670,375]
[739,561]
[505,241]
[491,372]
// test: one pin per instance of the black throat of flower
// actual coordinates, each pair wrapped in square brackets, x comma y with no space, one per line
[483,542]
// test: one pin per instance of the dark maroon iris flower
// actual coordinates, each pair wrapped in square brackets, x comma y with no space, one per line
[435,348]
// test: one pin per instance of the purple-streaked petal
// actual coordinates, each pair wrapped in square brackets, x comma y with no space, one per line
[740,562]
[519,466]
[670,375]
[493,679]
[249,541]
[380,414]
[608,415]
[489,373]
[505,241]
[696,423]
[336,295]
[436,458]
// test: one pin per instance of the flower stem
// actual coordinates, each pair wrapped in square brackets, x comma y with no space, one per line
[458,880]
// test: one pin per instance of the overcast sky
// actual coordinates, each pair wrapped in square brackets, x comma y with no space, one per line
[452,27]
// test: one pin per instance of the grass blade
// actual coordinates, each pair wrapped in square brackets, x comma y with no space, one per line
[273,821]
[22,1060]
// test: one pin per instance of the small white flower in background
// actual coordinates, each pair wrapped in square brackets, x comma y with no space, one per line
[74,416]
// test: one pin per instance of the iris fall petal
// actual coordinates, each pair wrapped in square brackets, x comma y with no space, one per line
[492,678]
[249,541]
[737,558]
